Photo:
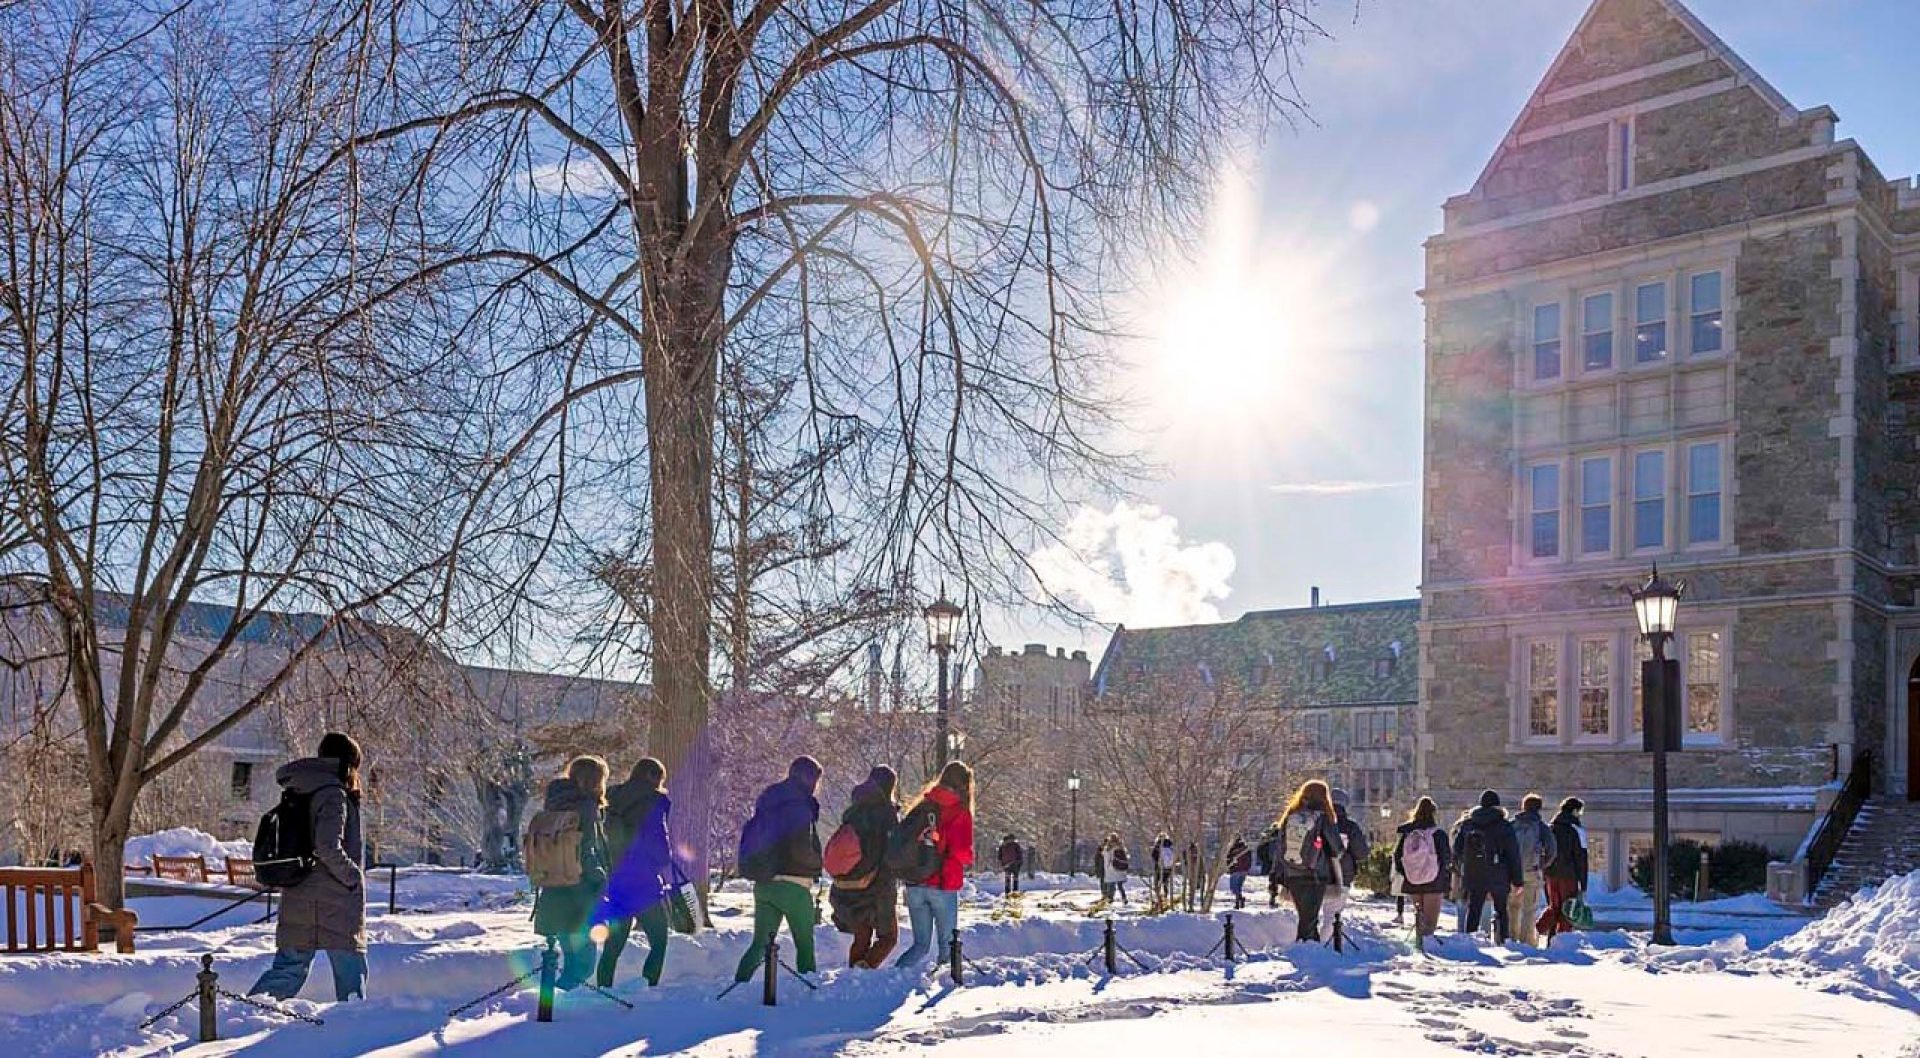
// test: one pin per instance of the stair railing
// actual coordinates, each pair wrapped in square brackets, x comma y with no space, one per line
[1839,819]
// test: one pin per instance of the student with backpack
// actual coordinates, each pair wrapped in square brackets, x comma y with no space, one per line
[309,847]
[1011,857]
[1239,862]
[1423,863]
[1567,874]
[865,894]
[1489,864]
[566,849]
[1355,845]
[1267,863]
[935,841]
[780,853]
[1310,850]
[1163,858]
[1114,864]
[644,872]
[1535,841]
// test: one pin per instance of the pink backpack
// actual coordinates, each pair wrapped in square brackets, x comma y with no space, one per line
[1419,859]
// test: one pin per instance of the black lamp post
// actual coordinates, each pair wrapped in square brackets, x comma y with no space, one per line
[1073,825]
[943,620]
[1656,604]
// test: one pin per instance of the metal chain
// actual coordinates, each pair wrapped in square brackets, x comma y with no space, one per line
[271,1008]
[190,997]
[811,987]
[509,986]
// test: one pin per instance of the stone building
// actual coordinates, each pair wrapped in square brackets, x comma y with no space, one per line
[1672,321]
[1032,686]
[1346,675]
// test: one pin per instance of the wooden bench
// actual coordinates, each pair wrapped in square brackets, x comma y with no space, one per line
[53,909]
[240,872]
[181,868]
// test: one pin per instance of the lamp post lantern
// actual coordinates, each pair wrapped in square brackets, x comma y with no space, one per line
[1073,825]
[943,621]
[1656,604]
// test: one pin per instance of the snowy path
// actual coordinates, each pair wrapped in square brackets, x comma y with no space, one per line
[1031,993]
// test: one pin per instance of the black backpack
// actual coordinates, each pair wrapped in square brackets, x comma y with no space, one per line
[283,842]
[913,854]
[1476,853]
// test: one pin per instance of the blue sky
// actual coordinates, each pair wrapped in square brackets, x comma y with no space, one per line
[1302,471]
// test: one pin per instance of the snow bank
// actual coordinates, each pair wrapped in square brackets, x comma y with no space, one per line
[185,841]
[1872,942]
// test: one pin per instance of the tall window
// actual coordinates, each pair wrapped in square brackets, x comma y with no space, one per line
[1642,652]
[1546,341]
[241,780]
[1650,323]
[1596,687]
[1649,499]
[1545,523]
[1543,686]
[1596,506]
[1703,683]
[1707,320]
[1596,326]
[1624,139]
[1703,493]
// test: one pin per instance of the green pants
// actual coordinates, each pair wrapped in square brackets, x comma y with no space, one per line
[773,902]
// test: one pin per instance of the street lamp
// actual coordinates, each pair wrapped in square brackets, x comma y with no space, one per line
[943,619]
[1656,604]
[1073,825]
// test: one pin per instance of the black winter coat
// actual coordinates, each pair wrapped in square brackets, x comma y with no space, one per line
[1502,870]
[1356,845]
[872,815]
[1326,870]
[566,909]
[1239,857]
[1570,860]
[1441,849]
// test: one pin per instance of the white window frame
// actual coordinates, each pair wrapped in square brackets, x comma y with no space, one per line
[1721,734]
[1634,500]
[1612,294]
[1687,493]
[1558,341]
[1527,689]
[1665,321]
[1581,506]
[1577,707]
[1693,314]
[1533,508]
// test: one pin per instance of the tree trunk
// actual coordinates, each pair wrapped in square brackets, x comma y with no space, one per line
[110,825]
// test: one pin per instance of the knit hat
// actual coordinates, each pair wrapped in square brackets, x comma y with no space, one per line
[1572,805]
[1340,797]
[883,778]
[1489,799]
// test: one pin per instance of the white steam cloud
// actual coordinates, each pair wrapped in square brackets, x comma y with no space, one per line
[1131,566]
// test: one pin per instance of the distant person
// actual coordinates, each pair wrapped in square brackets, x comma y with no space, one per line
[1489,863]
[942,818]
[640,849]
[1113,865]
[865,899]
[1354,846]
[1028,859]
[566,850]
[1162,857]
[1011,856]
[1567,874]
[1239,863]
[1456,880]
[1534,838]
[327,909]
[1309,854]
[1423,862]
[780,853]
[1191,870]
[1266,863]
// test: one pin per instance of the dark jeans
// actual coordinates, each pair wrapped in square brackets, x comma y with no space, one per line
[653,923]
[1476,899]
[1306,897]
[1109,890]
[1012,884]
[576,959]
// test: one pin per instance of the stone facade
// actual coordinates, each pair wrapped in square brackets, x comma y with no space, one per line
[1033,686]
[1673,321]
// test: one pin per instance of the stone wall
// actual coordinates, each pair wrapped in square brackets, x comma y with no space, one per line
[1469,437]
[1549,172]
[1623,35]
[1717,130]
[1606,99]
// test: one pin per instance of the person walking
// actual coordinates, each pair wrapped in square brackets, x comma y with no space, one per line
[1011,856]
[1114,863]
[1239,862]
[1534,838]
[1028,860]
[933,901]
[1423,863]
[567,864]
[1354,845]
[643,871]
[780,853]
[1567,874]
[866,902]
[1163,858]
[1456,880]
[1310,851]
[1267,863]
[1489,863]
[326,910]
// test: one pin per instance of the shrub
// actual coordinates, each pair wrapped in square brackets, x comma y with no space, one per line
[1374,872]
[1737,867]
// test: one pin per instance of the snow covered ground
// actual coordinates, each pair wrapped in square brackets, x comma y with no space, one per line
[1847,985]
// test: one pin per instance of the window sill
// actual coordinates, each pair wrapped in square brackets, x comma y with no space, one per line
[1611,747]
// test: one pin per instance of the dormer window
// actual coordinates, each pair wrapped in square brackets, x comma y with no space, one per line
[1383,667]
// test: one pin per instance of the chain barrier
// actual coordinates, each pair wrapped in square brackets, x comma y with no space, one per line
[503,989]
[271,1008]
[184,1000]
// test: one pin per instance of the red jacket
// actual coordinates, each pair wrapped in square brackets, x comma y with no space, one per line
[954,838]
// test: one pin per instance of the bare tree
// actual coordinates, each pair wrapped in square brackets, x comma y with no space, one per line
[236,427]
[916,208]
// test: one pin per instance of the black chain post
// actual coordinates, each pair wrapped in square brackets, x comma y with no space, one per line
[955,959]
[770,990]
[208,987]
[1339,935]
[548,959]
[393,886]
[1228,937]
[1110,946]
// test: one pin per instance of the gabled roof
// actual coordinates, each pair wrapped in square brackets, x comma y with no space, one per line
[1710,43]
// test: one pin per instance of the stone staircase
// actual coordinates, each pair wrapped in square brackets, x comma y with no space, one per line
[1884,843]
